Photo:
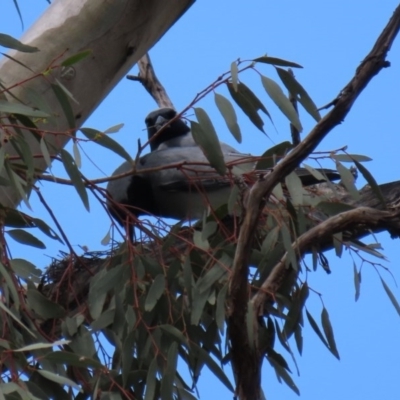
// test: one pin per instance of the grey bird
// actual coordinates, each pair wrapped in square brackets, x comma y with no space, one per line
[185,190]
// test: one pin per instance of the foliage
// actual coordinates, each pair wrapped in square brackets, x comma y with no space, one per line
[114,325]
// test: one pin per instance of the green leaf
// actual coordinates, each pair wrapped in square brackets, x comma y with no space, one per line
[275,92]
[176,333]
[10,285]
[372,182]
[338,243]
[327,326]
[200,242]
[75,360]
[293,316]
[43,227]
[104,140]
[25,269]
[76,58]
[228,112]
[348,180]
[391,296]
[75,176]
[350,158]
[316,329]
[11,43]
[151,380]
[77,155]
[277,61]
[45,152]
[58,379]
[295,187]
[65,105]
[213,366]
[114,129]
[331,209]
[299,93]
[16,108]
[234,75]
[213,275]
[287,242]
[37,346]
[282,373]
[155,292]
[167,380]
[273,155]
[220,310]
[249,103]
[16,318]
[357,281]
[205,136]
[24,237]
[43,306]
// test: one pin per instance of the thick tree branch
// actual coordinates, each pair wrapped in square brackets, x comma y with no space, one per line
[368,218]
[245,355]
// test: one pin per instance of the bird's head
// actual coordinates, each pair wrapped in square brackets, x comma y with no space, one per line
[160,118]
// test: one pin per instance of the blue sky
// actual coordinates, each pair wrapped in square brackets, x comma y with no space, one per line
[329,39]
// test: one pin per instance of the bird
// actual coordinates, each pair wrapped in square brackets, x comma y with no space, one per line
[185,190]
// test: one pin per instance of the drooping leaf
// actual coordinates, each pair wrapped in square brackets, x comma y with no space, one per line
[25,237]
[75,176]
[65,105]
[10,285]
[299,92]
[295,187]
[220,310]
[283,374]
[151,380]
[76,58]
[273,155]
[167,381]
[105,141]
[277,61]
[293,316]
[25,269]
[316,329]
[43,306]
[234,75]
[275,92]
[214,367]
[11,43]
[58,378]
[77,155]
[155,292]
[338,243]
[228,112]
[16,108]
[391,296]
[205,136]
[357,282]
[249,103]
[75,360]
[348,180]
[45,152]
[327,326]
[37,346]
[372,182]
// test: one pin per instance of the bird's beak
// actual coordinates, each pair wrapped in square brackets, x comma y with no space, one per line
[160,122]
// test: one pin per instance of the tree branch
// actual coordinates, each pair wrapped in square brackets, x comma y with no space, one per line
[245,355]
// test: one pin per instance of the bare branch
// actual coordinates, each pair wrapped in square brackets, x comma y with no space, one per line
[147,77]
